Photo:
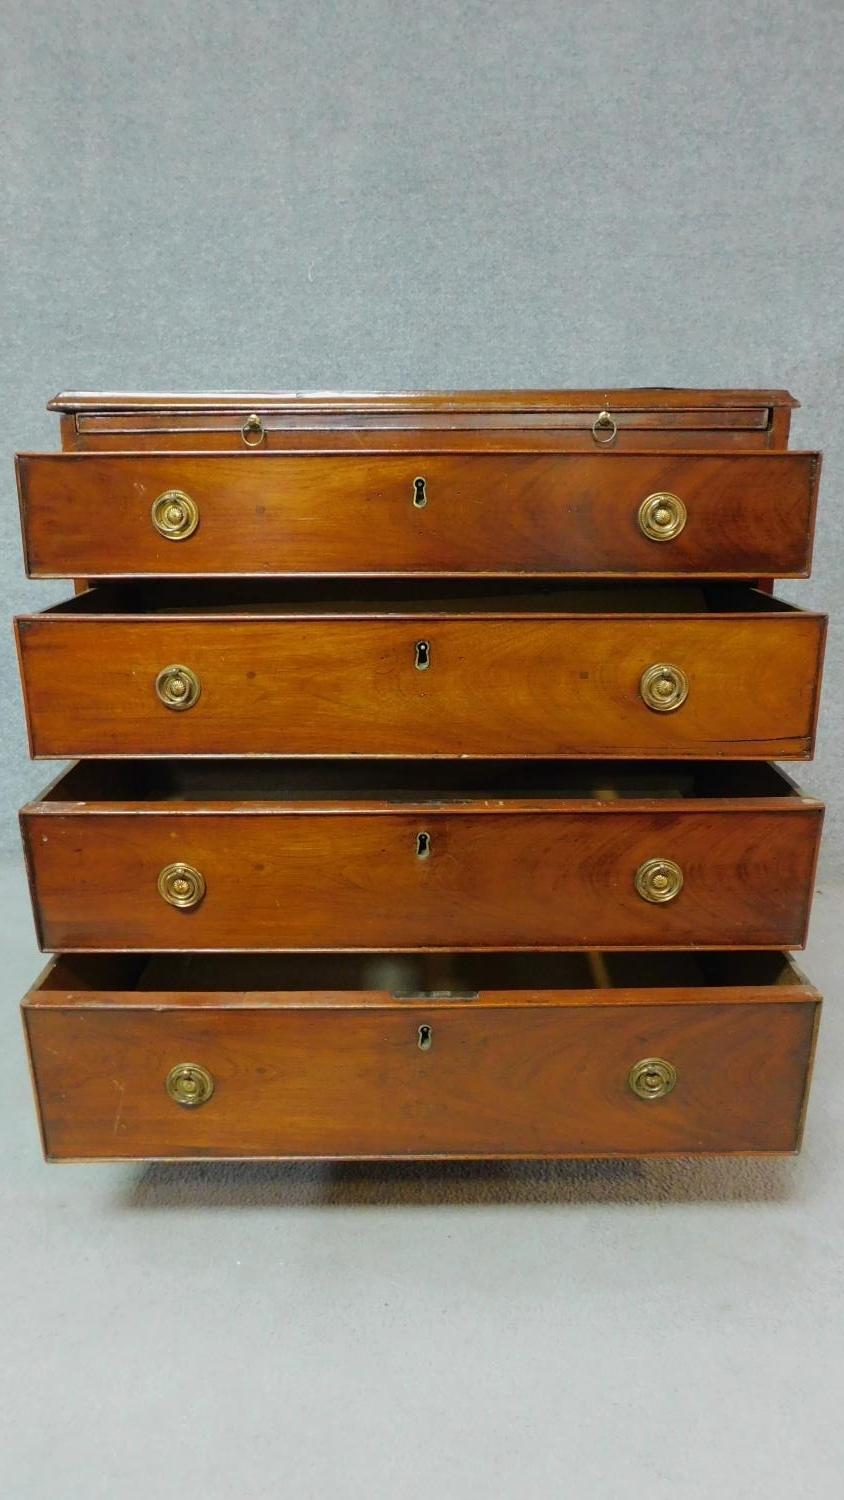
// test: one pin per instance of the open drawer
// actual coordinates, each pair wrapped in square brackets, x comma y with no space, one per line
[501,1055]
[563,670]
[227,855]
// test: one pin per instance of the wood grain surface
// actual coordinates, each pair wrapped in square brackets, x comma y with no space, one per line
[89,515]
[451,420]
[513,871]
[509,1073]
[345,683]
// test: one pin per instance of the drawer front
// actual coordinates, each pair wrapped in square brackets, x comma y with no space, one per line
[274,514]
[427,879]
[517,1079]
[422,687]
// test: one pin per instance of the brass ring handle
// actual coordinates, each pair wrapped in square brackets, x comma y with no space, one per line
[181,885]
[606,424]
[662,516]
[664,687]
[189,1084]
[252,431]
[177,687]
[659,880]
[652,1078]
[175,515]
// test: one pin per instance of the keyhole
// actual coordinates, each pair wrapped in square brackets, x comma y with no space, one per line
[422,655]
[420,499]
[423,845]
[426,1038]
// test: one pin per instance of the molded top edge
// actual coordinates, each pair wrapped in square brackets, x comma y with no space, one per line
[648,398]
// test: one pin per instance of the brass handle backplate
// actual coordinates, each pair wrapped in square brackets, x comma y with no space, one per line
[652,1078]
[604,428]
[189,1084]
[664,687]
[175,515]
[659,880]
[252,431]
[177,687]
[181,885]
[662,516]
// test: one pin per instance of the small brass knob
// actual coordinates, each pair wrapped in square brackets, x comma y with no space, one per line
[659,880]
[604,428]
[189,1084]
[652,1078]
[664,687]
[252,431]
[662,516]
[181,885]
[174,515]
[177,687]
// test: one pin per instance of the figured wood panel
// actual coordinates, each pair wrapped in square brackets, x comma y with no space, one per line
[497,1081]
[274,514]
[291,880]
[554,686]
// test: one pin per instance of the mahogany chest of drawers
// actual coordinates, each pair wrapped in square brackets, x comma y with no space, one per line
[421,804]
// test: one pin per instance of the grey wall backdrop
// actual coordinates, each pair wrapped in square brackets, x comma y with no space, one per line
[385,193]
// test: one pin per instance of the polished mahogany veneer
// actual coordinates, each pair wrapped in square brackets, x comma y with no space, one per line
[106,515]
[421,806]
[298,857]
[515,1059]
[609,420]
[557,672]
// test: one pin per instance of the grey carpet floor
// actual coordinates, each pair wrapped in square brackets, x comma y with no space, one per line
[423,1332]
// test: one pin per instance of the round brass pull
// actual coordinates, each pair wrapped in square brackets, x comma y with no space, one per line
[174,515]
[181,885]
[652,1078]
[659,880]
[604,428]
[177,687]
[252,431]
[664,687]
[662,516]
[189,1084]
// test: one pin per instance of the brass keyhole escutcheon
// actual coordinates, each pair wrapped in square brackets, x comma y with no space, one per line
[177,687]
[420,498]
[189,1084]
[175,515]
[426,1038]
[652,1078]
[664,687]
[423,845]
[604,428]
[252,431]
[662,516]
[422,656]
[181,885]
[659,880]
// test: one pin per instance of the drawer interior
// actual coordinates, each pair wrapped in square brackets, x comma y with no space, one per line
[389,597]
[385,977]
[114,783]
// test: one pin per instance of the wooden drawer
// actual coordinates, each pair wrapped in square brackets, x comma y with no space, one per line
[451,671]
[499,1056]
[108,515]
[550,420]
[275,855]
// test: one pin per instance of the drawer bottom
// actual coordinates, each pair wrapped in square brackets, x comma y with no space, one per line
[576,1055]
